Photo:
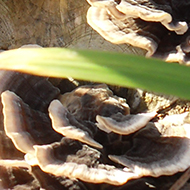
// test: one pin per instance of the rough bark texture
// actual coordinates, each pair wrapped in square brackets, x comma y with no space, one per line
[50,23]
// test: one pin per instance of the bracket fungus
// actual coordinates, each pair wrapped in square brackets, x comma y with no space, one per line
[108,152]
[60,123]
[127,124]
[25,126]
[154,153]
[87,101]
[160,27]
[83,163]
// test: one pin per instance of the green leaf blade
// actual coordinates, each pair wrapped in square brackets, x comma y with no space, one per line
[106,67]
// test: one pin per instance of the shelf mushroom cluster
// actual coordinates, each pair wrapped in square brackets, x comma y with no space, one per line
[160,27]
[91,135]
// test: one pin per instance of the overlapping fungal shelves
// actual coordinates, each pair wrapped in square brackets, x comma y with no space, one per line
[161,28]
[88,135]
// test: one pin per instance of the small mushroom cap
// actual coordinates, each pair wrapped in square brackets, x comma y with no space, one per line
[129,123]
[49,163]
[13,120]
[25,126]
[35,91]
[153,12]
[156,155]
[87,101]
[60,123]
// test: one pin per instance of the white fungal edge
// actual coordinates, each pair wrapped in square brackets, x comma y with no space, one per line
[125,9]
[168,167]
[148,14]
[49,164]
[98,19]
[178,56]
[56,109]
[132,125]
[22,140]
[15,163]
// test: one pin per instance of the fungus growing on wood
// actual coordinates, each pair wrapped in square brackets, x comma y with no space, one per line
[86,101]
[124,125]
[104,156]
[60,123]
[161,28]
[25,126]
[156,152]
[79,161]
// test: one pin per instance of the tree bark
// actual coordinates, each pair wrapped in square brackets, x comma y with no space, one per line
[51,23]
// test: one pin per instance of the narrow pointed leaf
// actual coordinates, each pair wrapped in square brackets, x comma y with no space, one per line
[107,67]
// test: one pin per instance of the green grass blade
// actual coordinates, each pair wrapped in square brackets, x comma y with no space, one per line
[107,67]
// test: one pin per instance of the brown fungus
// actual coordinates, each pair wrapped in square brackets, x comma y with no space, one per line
[85,102]
[53,159]
[60,123]
[157,152]
[35,91]
[161,28]
[124,125]
[148,151]
[25,126]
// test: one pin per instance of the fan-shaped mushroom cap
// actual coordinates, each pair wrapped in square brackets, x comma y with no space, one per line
[154,12]
[155,154]
[60,123]
[148,11]
[87,101]
[14,125]
[25,126]
[161,28]
[53,161]
[119,32]
[126,125]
